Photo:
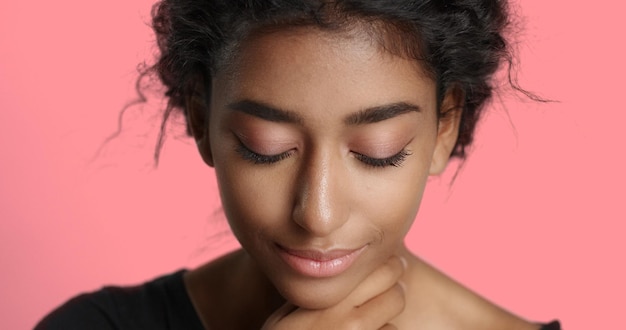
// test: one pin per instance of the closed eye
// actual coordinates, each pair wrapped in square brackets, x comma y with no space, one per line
[396,160]
[257,158]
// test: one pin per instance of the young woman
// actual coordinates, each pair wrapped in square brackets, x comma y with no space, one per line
[323,121]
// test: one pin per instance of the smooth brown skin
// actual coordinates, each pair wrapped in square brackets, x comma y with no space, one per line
[322,195]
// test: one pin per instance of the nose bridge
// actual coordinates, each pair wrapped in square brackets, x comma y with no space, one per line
[318,206]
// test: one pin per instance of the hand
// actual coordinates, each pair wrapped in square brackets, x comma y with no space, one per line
[372,305]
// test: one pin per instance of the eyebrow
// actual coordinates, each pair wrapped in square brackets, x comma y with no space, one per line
[266,112]
[380,113]
[365,116]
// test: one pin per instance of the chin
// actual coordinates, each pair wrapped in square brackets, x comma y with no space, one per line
[315,293]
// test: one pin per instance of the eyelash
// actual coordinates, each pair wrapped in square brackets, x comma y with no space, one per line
[260,159]
[396,160]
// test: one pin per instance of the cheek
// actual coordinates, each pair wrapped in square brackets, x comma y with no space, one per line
[253,200]
[399,206]
[392,202]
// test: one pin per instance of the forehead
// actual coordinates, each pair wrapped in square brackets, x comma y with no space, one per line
[321,73]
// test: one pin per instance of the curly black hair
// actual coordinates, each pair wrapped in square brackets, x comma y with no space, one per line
[459,43]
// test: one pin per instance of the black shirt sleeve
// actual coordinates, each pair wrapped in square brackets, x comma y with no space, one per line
[554,325]
[87,311]
[162,304]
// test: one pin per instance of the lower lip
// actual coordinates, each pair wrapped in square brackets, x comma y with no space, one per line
[319,268]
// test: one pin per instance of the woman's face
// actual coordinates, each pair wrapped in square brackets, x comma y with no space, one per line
[322,144]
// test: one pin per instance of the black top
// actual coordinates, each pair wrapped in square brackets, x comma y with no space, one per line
[159,304]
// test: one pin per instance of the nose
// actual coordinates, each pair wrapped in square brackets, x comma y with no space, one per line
[320,206]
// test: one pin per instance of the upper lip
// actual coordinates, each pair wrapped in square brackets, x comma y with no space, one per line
[319,255]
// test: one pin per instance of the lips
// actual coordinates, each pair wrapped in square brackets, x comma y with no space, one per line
[319,264]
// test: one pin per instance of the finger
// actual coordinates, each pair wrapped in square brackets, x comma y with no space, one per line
[388,327]
[379,281]
[378,311]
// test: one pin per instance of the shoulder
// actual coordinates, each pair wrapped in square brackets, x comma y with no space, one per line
[443,303]
[159,304]
[96,310]
[554,325]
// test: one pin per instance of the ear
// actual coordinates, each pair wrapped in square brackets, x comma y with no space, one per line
[448,129]
[197,109]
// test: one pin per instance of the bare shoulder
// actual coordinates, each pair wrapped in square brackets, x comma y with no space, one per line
[435,301]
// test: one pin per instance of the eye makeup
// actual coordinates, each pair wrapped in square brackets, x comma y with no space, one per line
[396,160]
[381,150]
[260,159]
[266,146]
[261,142]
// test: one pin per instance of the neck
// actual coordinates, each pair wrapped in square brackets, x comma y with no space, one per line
[229,287]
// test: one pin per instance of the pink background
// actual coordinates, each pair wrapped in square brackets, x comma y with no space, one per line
[535,221]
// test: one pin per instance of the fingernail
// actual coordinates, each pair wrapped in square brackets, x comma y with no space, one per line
[402,285]
[405,264]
